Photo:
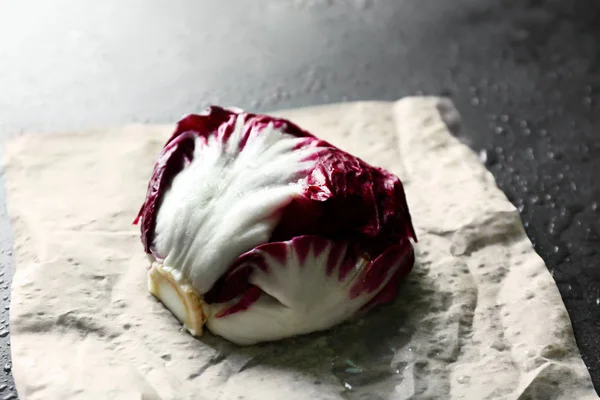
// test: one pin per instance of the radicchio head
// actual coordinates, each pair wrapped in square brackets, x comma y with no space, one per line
[262,231]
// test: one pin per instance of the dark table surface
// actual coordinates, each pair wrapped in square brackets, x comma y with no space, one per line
[525,75]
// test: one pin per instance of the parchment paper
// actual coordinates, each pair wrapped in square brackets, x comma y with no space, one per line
[479,318]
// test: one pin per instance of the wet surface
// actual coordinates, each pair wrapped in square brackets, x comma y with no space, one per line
[524,74]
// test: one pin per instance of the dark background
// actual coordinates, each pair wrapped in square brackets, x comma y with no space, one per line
[525,74]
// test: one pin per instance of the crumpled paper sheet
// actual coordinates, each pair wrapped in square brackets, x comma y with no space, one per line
[479,318]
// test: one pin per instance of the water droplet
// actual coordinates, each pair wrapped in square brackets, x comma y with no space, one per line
[4,334]
[483,156]
[597,300]
[523,123]
[3,387]
[10,396]
[504,118]
[463,379]
[529,153]
[499,130]
[7,367]
[535,199]
[347,386]
[543,132]
[556,249]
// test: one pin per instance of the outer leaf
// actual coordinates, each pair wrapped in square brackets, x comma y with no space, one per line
[304,285]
